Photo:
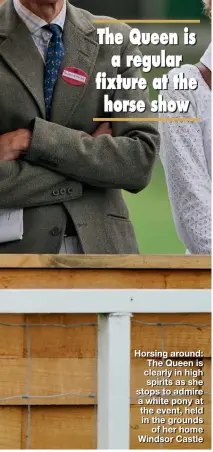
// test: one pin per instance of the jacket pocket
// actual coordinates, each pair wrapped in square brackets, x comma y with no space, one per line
[118,216]
[121,235]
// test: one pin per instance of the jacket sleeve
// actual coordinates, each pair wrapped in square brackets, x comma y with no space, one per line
[25,185]
[124,160]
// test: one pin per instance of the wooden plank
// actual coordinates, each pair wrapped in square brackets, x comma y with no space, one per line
[11,339]
[75,428]
[207,387]
[58,342]
[139,380]
[61,428]
[49,377]
[137,428]
[172,337]
[104,261]
[104,279]
[47,340]
[10,427]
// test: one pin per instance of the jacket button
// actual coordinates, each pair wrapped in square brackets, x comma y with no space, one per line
[63,191]
[56,192]
[69,190]
[55,231]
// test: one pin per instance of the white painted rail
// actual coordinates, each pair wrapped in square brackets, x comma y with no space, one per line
[103,301]
[114,308]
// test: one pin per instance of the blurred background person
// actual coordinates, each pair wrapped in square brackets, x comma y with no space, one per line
[186,156]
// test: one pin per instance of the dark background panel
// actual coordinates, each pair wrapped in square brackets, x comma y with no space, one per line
[152,9]
[116,8]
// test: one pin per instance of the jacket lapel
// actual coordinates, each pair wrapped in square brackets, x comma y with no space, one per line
[22,56]
[81,51]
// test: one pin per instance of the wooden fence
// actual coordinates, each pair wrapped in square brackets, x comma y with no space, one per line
[50,362]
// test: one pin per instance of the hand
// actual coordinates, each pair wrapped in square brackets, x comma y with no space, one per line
[103,129]
[12,144]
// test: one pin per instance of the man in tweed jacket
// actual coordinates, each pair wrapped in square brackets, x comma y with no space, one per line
[72,173]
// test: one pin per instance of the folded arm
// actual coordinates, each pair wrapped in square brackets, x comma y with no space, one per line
[25,185]
[124,160]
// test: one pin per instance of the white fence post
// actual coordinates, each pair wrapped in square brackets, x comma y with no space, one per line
[114,381]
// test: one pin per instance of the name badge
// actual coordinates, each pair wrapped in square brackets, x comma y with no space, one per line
[74,76]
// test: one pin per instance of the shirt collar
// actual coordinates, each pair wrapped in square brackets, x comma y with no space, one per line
[35,23]
[207,58]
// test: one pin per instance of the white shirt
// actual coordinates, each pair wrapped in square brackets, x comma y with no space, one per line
[34,24]
[186,157]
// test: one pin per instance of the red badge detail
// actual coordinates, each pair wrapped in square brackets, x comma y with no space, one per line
[74,76]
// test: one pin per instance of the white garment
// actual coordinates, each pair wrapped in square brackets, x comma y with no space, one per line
[70,245]
[186,157]
[11,225]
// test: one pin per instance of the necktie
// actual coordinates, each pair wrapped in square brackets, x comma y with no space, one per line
[55,55]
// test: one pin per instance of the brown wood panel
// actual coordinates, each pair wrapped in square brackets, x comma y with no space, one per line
[137,428]
[54,376]
[10,427]
[139,380]
[48,377]
[207,387]
[104,261]
[49,341]
[104,279]
[75,428]
[11,338]
[61,427]
[172,337]
[56,342]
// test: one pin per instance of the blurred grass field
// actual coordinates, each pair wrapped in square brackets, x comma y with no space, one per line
[151,215]
[150,210]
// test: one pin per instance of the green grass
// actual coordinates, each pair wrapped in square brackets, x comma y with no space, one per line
[152,218]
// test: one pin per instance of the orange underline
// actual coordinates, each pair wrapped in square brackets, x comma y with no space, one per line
[148,21]
[146,119]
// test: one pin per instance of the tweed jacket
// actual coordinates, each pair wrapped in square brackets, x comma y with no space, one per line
[66,171]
